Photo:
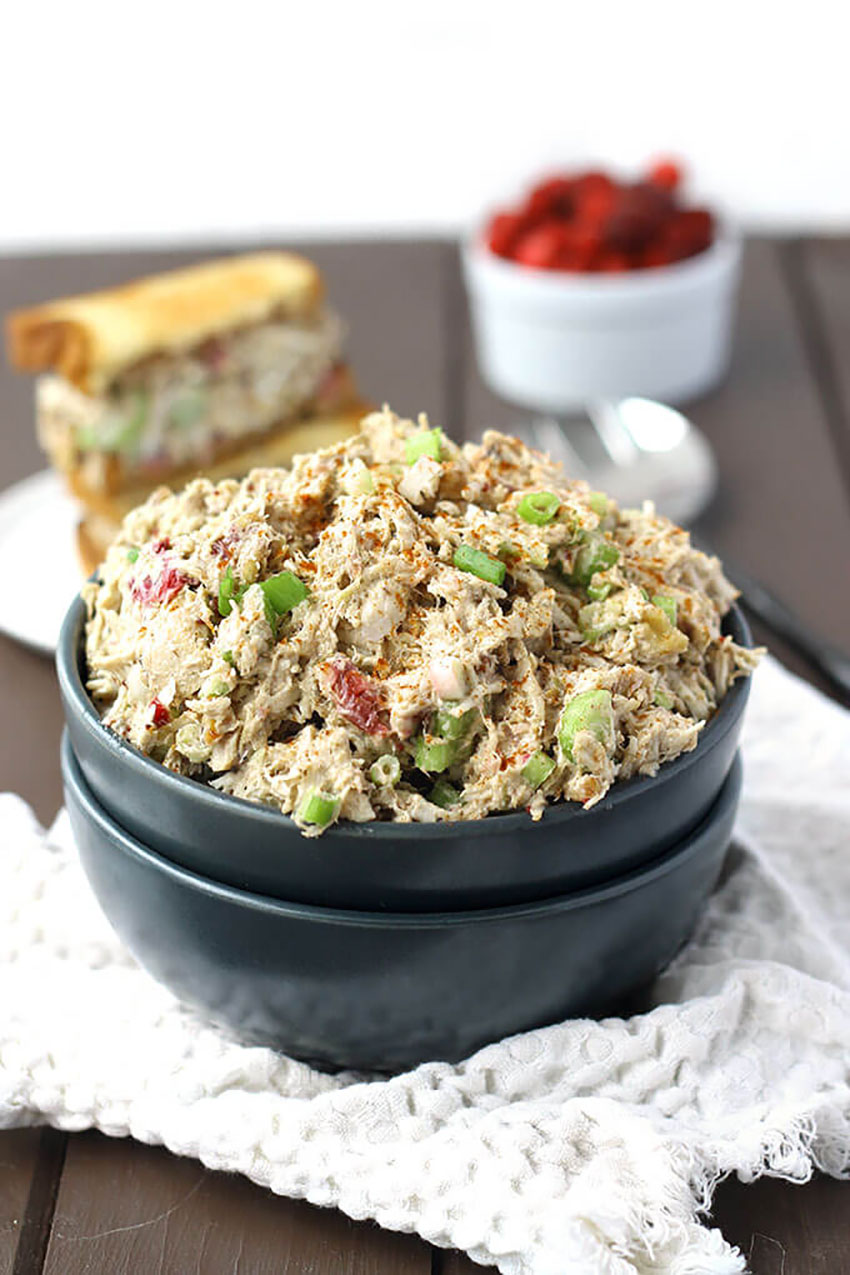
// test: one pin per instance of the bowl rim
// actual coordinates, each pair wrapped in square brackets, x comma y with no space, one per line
[725,803]
[72,687]
[723,253]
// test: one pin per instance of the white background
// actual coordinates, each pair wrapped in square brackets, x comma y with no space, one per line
[129,122]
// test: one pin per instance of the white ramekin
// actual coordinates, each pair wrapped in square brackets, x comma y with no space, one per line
[554,341]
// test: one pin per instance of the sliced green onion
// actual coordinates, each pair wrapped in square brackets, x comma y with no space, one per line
[133,553]
[284,591]
[596,554]
[599,592]
[539,558]
[434,755]
[226,590]
[218,688]
[539,507]
[598,502]
[479,564]
[663,700]
[227,656]
[449,725]
[590,711]
[537,769]
[271,615]
[319,808]
[427,443]
[386,771]
[508,552]
[190,742]
[444,794]
[667,605]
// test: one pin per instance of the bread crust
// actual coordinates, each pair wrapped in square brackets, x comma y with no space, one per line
[90,339]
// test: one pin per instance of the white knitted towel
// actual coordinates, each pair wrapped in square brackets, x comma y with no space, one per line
[584,1147]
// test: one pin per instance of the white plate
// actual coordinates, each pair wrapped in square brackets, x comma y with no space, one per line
[39,568]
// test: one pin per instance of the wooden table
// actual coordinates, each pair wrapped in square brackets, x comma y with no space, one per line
[781,429]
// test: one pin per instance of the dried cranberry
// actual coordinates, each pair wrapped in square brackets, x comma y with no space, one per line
[161,715]
[613,262]
[503,232]
[551,198]
[223,546]
[161,545]
[542,247]
[357,697]
[658,255]
[594,207]
[593,183]
[213,352]
[690,232]
[160,589]
[665,174]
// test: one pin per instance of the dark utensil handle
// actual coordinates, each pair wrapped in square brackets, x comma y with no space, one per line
[760,602]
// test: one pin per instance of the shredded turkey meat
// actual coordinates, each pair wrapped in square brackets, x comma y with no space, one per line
[399,628]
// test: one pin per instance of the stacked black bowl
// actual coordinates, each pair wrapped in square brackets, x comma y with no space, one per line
[381,945]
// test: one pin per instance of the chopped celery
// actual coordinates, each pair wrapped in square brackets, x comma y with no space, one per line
[386,771]
[444,794]
[429,442]
[319,808]
[667,605]
[434,755]
[598,502]
[218,688]
[588,711]
[663,700]
[133,553]
[479,564]
[226,591]
[537,769]
[599,592]
[449,725]
[594,554]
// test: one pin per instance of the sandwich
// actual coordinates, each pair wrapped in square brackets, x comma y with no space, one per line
[215,369]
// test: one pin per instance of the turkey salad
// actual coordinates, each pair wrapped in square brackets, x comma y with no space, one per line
[401,628]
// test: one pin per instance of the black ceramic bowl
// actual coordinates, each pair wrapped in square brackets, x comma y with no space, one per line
[400,867]
[390,990]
